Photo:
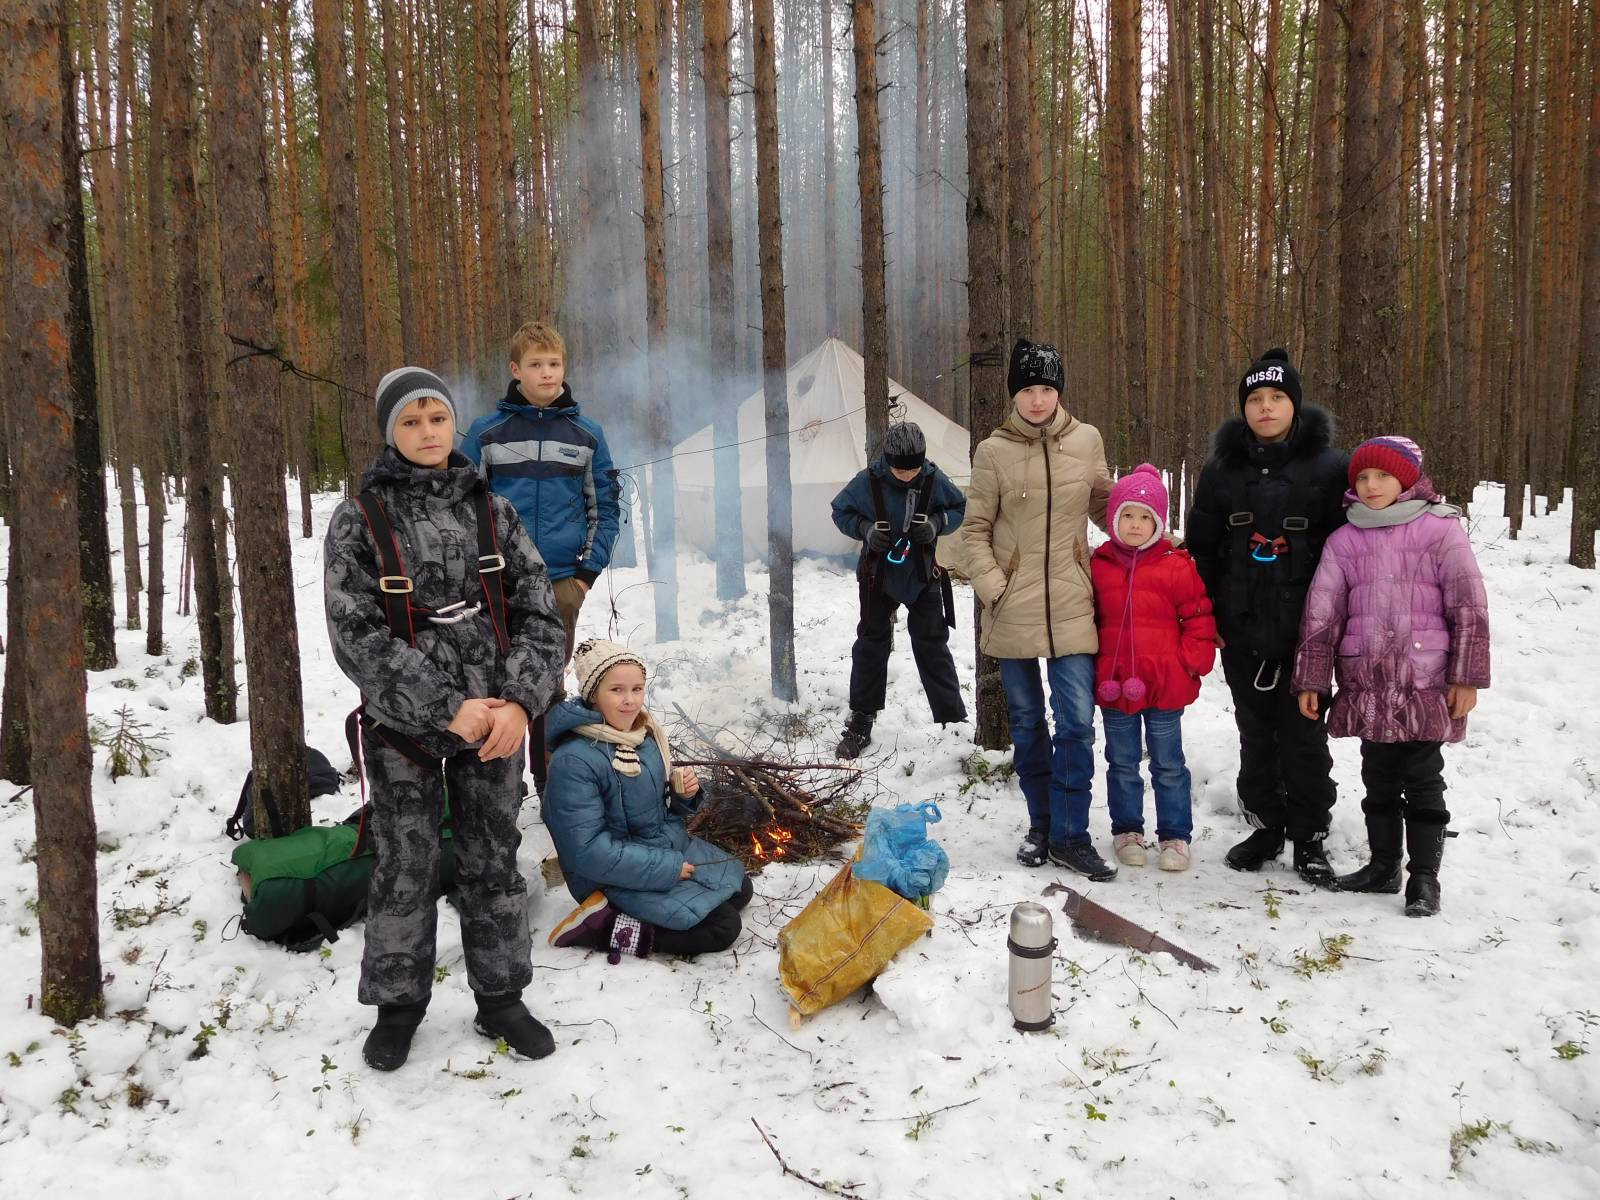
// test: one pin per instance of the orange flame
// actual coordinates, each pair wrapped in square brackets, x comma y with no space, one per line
[755,844]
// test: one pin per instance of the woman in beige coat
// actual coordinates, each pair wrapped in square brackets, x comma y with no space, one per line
[1035,483]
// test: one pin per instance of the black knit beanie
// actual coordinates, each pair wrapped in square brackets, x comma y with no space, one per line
[1035,363]
[399,388]
[1274,370]
[904,446]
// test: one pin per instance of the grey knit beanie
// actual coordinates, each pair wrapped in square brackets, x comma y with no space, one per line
[400,387]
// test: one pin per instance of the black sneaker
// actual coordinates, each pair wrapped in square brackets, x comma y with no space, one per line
[507,1018]
[857,736]
[1082,858]
[1035,848]
[1311,864]
[389,1044]
[1260,848]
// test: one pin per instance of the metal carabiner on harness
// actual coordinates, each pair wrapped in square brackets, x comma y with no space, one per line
[438,617]
[898,552]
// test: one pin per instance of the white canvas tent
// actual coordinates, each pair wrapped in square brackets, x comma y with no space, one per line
[827,447]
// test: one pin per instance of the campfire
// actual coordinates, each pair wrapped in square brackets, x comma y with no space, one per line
[763,810]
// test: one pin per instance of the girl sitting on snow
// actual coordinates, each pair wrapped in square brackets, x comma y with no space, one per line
[1157,637]
[1397,613]
[616,813]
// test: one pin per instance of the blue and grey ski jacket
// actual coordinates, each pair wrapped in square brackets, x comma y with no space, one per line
[554,466]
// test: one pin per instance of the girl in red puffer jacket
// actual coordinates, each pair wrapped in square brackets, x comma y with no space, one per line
[1157,638]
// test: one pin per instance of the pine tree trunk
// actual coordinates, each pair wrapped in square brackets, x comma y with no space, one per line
[123,296]
[986,302]
[366,185]
[774,327]
[1191,370]
[538,244]
[261,518]
[1021,318]
[925,192]
[94,549]
[1524,355]
[1586,407]
[336,139]
[16,747]
[1369,366]
[662,550]
[40,392]
[722,336]
[830,180]
[1218,343]
[1126,191]
[1450,436]
[158,377]
[216,665]
[869,176]
[1262,326]
[399,203]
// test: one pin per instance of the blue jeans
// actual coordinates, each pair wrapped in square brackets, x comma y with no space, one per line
[1055,771]
[1169,775]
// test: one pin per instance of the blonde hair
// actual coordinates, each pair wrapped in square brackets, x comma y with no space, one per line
[536,335]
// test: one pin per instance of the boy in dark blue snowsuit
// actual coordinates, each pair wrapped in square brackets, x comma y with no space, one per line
[898,507]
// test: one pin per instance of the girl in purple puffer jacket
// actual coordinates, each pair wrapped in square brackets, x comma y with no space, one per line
[1397,613]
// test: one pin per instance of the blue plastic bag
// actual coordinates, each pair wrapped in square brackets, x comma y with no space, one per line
[898,854]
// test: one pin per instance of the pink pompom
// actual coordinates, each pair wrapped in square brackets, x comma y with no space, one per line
[1109,691]
[1133,690]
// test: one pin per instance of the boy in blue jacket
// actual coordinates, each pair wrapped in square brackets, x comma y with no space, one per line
[553,464]
[898,507]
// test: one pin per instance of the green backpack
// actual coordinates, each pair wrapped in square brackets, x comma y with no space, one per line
[300,890]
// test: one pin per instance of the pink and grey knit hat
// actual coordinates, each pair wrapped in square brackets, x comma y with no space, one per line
[1399,456]
[1140,488]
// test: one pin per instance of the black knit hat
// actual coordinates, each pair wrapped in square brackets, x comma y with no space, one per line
[1273,369]
[400,387]
[1035,363]
[904,446]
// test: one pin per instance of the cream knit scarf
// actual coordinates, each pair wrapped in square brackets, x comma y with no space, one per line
[627,741]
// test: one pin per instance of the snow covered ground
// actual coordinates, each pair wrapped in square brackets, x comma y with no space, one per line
[1445,1057]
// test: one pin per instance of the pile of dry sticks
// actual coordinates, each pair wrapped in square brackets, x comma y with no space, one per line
[763,810]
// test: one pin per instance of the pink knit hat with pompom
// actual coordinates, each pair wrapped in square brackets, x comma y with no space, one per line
[1143,488]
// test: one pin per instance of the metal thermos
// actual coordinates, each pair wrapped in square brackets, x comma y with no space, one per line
[1032,945]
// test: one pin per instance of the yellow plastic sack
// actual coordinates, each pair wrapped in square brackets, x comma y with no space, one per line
[843,938]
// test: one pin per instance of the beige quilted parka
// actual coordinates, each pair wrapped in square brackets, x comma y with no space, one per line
[1025,540]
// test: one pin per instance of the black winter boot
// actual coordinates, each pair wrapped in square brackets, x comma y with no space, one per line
[1035,848]
[1382,873]
[389,1044]
[1260,848]
[1083,858]
[1311,863]
[857,735]
[1425,842]
[507,1017]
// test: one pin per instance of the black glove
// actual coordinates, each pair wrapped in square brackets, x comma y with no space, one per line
[877,538]
[924,530]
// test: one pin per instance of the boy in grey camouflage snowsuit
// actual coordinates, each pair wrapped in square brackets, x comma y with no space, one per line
[454,638]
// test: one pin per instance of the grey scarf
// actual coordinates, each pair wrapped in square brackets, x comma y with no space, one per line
[1401,512]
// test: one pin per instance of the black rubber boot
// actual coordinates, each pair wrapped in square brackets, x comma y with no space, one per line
[389,1044]
[857,735]
[1260,848]
[507,1018]
[1311,863]
[1425,842]
[1382,873]
[1035,848]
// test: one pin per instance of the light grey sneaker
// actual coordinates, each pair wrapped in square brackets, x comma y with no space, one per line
[1130,849]
[1174,855]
